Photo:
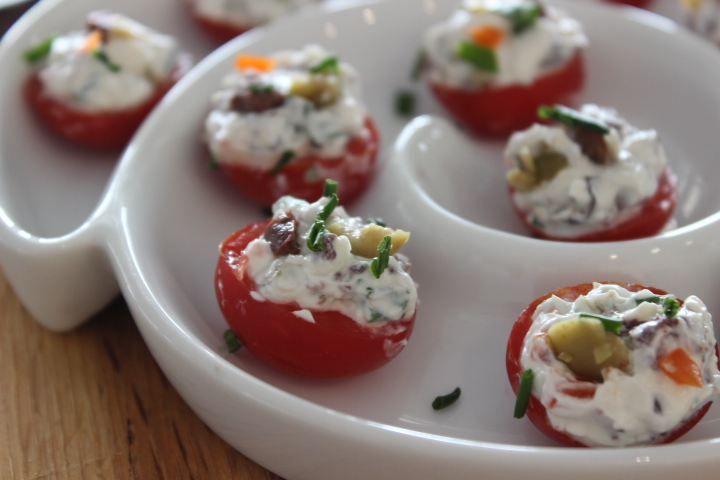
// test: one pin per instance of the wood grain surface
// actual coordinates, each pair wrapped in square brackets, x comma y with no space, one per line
[93,404]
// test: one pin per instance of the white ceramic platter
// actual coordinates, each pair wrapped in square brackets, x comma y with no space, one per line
[162,213]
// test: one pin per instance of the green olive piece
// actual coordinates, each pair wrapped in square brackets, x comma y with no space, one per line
[534,170]
[319,88]
[586,347]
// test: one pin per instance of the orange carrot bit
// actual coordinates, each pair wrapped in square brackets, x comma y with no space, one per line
[581,390]
[487,35]
[92,43]
[261,64]
[681,368]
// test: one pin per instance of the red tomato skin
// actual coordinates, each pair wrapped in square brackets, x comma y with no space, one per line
[536,411]
[500,111]
[218,31]
[634,3]
[333,347]
[104,130]
[353,172]
[651,219]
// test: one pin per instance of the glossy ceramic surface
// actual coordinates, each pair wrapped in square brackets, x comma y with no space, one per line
[74,229]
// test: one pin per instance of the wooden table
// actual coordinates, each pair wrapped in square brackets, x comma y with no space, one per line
[93,404]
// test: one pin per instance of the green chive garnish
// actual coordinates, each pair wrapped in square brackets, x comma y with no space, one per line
[377,221]
[316,235]
[284,160]
[612,325]
[445,401]
[331,188]
[572,119]
[523,397]
[381,262]
[232,342]
[102,56]
[405,103]
[39,51]
[670,305]
[418,66]
[212,161]
[481,57]
[259,89]
[522,17]
[330,65]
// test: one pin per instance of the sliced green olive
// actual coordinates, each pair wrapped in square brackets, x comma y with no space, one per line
[533,170]
[364,242]
[586,347]
[321,89]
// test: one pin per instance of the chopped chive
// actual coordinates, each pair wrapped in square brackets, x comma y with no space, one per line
[260,89]
[375,316]
[381,262]
[419,65]
[102,56]
[572,119]
[266,212]
[377,221]
[212,163]
[316,235]
[523,397]
[39,51]
[671,306]
[232,342]
[405,103]
[612,325]
[331,188]
[481,57]
[522,17]
[444,401]
[330,64]
[282,163]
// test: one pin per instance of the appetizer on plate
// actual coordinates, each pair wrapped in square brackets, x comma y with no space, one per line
[283,124]
[613,365]
[315,292]
[589,177]
[95,87]
[494,62]
[703,17]
[223,20]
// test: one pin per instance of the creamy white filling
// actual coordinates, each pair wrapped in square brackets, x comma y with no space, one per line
[333,279]
[144,58]
[586,196]
[247,12]
[258,140]
[548,45]
[628,408]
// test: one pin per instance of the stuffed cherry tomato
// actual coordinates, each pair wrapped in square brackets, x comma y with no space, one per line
[223,20]
[95,87]
[591,177]
[316,293]
[494,63]
[284,124]
[613,365]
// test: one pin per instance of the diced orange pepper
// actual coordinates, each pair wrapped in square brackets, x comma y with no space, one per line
[261,64]
[487,35]
[582,390]
[93,42]
[681,368]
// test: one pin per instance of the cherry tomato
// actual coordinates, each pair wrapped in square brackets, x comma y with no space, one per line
[501,111]
[634,3]
[304,177]
[109,129]
[653,216]
[219,31]
[536,411]
[334,346]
